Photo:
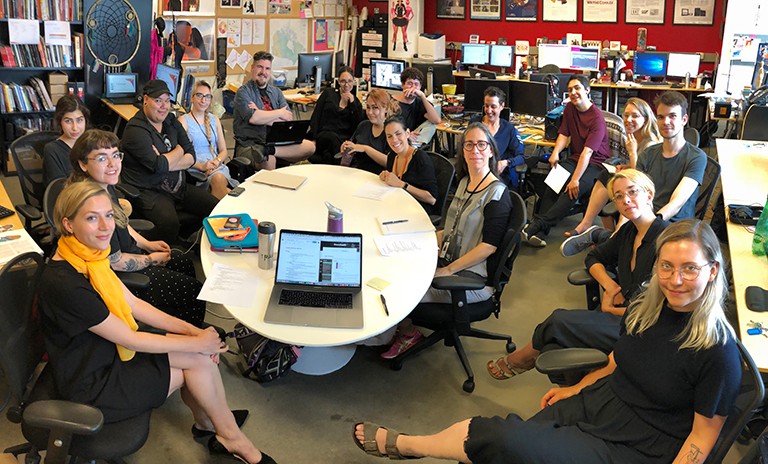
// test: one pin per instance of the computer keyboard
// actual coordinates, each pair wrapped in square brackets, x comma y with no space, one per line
[316,299]
[5,212]
[654,84]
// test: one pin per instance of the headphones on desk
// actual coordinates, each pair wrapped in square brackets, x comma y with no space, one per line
[744,214]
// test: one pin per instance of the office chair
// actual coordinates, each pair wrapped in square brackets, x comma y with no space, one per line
[550,69]
[62,428]
[617,138]
[692,136]
[755,122]
[750,394]
[707,187]
[27,153]
[451,321]
[444,172]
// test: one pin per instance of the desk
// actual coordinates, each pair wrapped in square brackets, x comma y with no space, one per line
[124,113]
[5,200]
[295,99]
[744,173]
[410,275]
[453,128]
[612,103]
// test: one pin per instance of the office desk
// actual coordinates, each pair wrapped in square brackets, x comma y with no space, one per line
[454,128]
[328,349]
[5,200]
[124,113]
[612,90]
[299,101]
[744,172]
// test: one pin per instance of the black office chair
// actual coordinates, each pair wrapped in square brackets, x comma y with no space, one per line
[27,153]
[452,321]
[750,394]
[707,187]
[62,428]
[550,69]
[755,123]
[692,136]
[444,172]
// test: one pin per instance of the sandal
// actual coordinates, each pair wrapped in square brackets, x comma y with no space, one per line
[499,373]
[370,446]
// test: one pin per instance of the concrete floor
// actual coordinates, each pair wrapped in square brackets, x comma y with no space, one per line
[305,419]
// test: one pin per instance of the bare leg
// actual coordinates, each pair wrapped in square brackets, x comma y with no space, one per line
[597,200]
[298,152]
[205,396]
[447,444]
[219,185]
[524,357]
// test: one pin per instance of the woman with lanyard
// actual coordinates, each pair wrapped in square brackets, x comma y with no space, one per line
[475,225]
[207,136]
[408,168]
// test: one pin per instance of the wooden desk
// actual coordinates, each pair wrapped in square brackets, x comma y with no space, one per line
[126,112]
[5,200]
[454,128]
[612,89]
[744,172]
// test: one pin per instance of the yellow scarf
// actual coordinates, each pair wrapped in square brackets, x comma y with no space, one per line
[95,266]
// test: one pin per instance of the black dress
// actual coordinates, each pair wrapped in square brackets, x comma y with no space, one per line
[86,367]
[420,174]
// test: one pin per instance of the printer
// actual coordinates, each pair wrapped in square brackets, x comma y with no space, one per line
[431,46]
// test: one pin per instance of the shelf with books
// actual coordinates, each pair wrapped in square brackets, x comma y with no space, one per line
[36,68]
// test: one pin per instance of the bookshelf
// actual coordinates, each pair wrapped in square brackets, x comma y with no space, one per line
[27,98]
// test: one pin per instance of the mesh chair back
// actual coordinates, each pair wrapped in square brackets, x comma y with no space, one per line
[445,173]
[755,125]
[691,136]
[49,200]
[617,137]
[27,153]
[500,263]
[711,176]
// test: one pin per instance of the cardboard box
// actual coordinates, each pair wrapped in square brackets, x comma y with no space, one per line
[57,77]
[59,89]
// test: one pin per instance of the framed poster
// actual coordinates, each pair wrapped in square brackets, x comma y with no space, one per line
[485,9]
[186,7]
[521,10]
[600,11]
[404,20]
[696,12]
[644,12]
[451,9]
[559,10]
[194,36]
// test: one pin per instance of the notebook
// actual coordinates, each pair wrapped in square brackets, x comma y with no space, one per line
[279,179]
[287,132]
[315,272]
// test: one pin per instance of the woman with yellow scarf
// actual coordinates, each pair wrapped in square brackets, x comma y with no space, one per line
[98,355]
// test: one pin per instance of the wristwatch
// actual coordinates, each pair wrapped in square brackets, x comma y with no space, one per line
[405,187]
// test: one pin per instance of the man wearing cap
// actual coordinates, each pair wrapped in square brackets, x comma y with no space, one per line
[157,152]
[258,104]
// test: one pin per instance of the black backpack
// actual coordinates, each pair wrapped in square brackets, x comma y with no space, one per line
[265,359]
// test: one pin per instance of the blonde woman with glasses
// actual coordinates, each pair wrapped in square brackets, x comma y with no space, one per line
[207,136]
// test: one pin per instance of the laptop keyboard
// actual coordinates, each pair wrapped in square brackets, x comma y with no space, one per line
[316,299]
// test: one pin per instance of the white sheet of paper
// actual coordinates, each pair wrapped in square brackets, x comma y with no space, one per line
[58,33]
[24,31]
[557,178]
[374,191]
[244,59]
[610,168]
[15,242]
[229,286]
[232,58]
[390,245]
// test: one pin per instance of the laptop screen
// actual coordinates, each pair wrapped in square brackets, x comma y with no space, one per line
[319,259]
[120,85]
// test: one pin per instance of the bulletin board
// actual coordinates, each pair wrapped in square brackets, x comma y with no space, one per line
[284,27]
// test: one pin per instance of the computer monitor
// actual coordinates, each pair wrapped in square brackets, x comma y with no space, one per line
[481,73]
[584,58]
[678,64]
[475,53]
[502,55]
[385,74]
[171,77]
[651,64]
[557,54]
[338,61]
[529,98]
[120,85]
[441,74]
[473,93]
[308,62]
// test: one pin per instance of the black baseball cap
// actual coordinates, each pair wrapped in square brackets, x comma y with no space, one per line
[155,88]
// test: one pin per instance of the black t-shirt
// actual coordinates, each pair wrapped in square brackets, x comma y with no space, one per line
[413,113]
[420,174]
[56,162]
[364,136]
[328,115]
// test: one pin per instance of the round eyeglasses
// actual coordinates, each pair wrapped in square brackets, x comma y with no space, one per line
[688,271]
[631,193]
[481,145]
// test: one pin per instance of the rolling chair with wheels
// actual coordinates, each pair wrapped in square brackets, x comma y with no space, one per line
[452,321]
[755,122]
[62,428]
[444,172]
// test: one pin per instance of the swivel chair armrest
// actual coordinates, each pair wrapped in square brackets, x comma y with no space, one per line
[241,161]
[75,418]
[196,176]
[128,190]
[521,168]
[29,212]
[454,282]
[583,277]
[609,210]
[141,225]
[133,280]
[570,359]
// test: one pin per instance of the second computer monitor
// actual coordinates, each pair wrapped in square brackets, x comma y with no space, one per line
[441,74]
[385,74]
[556,54]
[171,77]
[481,73]
[651,64]
[502,55]
[529,98]
[309,62]
[474,89]
[678,64]
[587,59]
[474,53]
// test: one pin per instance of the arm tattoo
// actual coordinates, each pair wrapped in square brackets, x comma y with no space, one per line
[693,456]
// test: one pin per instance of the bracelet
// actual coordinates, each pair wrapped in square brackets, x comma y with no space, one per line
[405,187]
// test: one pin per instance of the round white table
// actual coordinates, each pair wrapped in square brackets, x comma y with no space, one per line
[328,349]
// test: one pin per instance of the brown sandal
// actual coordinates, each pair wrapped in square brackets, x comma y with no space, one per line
[370,446]
[498,372]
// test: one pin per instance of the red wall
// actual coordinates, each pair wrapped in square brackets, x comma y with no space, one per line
[665,37]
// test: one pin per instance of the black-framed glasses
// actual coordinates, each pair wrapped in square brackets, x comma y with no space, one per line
[204,96]
[101,159]
[631,193]
[688,271]
[481,145]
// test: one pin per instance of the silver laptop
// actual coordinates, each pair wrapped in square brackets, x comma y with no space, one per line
[120,88]
[318,280]
[287,132]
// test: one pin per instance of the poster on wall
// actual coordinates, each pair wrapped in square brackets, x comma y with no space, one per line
[194,37]
[229,3]
[203,7]
[404,31]
[559,10]
[324,34]
[485,9]
[644,12]
[600,11]
[521,10]
[700,12]
[451,9]
[287,38]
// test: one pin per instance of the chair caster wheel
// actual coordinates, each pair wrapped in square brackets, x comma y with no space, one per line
[469,386]
[14,414]
[396,365]
[511,347]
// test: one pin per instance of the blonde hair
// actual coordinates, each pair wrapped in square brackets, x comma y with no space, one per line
[207,121]
[71,199]
[650,128]
[636,177]
[707,325]
[385,101]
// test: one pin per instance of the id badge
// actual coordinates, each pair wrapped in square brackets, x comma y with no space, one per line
[444,250]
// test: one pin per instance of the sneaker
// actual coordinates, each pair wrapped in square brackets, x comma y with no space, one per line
[402,344]
[578,243]
[535,239]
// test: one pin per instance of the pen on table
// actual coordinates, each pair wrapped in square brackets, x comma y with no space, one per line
[398,221]
[384,302]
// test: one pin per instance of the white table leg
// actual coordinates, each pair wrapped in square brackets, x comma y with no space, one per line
[321,360]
